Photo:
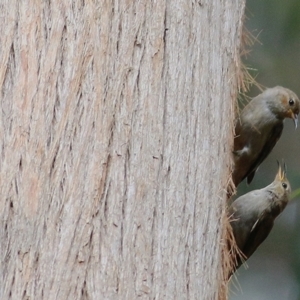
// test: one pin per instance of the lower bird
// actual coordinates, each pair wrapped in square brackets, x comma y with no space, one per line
[252,215]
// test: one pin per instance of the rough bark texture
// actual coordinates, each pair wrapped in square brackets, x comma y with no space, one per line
[116,129]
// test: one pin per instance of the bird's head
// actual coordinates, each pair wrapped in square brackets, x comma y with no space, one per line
[281,183]
[288,103]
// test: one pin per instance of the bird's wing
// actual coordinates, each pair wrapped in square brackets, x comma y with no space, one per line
[250,176]
[258,234]
[269,145]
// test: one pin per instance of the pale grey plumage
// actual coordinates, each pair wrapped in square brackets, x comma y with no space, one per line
[259,127]
[253,214]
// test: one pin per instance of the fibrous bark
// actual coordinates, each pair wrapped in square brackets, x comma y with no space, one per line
[116,131]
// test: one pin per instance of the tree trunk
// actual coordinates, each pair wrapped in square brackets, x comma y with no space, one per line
[116,132]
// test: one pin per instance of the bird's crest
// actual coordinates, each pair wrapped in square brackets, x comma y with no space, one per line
[281,174]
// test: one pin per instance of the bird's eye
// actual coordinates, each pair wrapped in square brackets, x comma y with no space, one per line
[291,102]
[284,185]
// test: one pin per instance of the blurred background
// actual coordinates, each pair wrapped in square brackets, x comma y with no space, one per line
[274,269]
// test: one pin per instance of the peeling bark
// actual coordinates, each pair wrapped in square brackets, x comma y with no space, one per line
[116,127]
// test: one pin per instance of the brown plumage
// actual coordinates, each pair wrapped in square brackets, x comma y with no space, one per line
[259,127]
[252,215]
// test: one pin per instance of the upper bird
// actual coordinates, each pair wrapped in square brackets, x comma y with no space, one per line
[259,127]
[253,214]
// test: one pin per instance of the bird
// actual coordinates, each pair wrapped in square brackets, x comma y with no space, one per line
[252,215]
[259,127]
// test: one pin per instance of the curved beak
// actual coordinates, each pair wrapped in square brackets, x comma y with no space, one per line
[295,118]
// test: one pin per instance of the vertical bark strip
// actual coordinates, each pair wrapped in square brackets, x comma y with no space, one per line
[116,131]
